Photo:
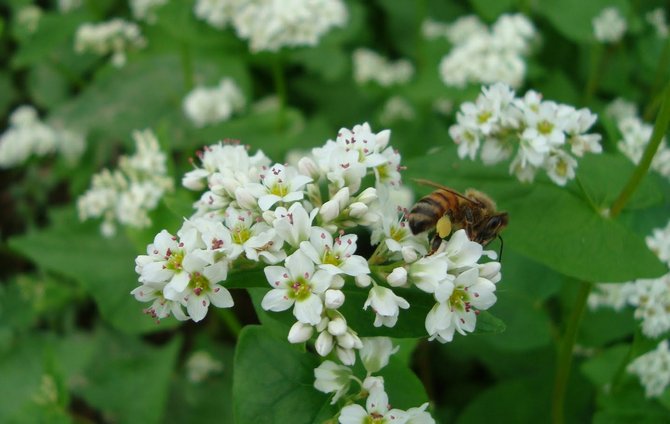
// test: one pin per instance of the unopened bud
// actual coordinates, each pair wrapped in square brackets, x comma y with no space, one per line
[358,209]
[324,343]
[398,277]
[363,280]
[329,210]
[367,196]
[409,255]
[346,356]
[307,166]
[334,298]
[300,332]
[245,199]
[337,326]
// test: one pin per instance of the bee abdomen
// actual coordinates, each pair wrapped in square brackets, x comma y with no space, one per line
[426,213]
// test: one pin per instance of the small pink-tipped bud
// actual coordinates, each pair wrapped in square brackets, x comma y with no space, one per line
[334,298]
[398,277]
[337,326]
[324,343]
[300,332]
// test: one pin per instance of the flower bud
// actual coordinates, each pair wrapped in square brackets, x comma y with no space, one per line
[194,180]
[307,166]
[398,277]
[337,326]
[347,340]
[376,352]
[367,196]
[323,324]
[334,298]
[300,332]
[363,280]
[269,217]
[329,210]
[245,199]
[324,343]
[409,255]
[337,282]
[346,356]
[490,271]
[358,209]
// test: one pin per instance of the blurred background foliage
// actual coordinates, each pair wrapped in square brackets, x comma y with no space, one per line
[74,345]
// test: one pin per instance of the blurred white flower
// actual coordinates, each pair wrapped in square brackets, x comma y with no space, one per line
[620,109]
[66,6]
[609,26]
[128,194]
[114,36]
[201,365]
[487,56]
[636,135]
[653,369]
[28,18]
[376,352]
[658,20]
[207,106]
[396,109]
[145,10]
[26,135]
[370,66]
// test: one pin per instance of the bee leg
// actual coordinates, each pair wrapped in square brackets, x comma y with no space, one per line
[442,230]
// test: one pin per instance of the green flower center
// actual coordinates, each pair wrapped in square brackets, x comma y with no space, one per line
[562,168]
[383,172]
[241,235]
[198,283]
[301,289]
[174,263]
[374,418]
[460,299]
[329,257]
[484,116]
[398,233]
[279,189]
[545,127]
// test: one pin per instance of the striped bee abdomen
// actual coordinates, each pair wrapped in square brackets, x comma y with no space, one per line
[427,211]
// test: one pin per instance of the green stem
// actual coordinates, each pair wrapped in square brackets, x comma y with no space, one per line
[621,372]
[564,360]
[660,127]
[280,88]
[187,66]
[658,80]
[594,72]
[232,322]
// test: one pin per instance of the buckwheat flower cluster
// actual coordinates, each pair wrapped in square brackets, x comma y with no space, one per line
[28,136]
[620,109]
[657,19]
[206,106]
[333,378]
[127,195]
[269,25]
[635,135]
[370,66]
[649,297]
[483,55]
[396,109]
[145,10]
[653,370]
[609,26]
[537,133]
[65,6]
[114,36]
[28,18]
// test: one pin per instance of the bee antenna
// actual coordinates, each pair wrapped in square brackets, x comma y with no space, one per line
[500,251]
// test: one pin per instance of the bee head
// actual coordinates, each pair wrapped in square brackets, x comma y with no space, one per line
[491,227]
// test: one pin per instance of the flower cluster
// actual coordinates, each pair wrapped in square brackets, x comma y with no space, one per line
[114,36]
[65,6]
[635,135]
[609,26]
[27,135]
[270,25]
[145,10]
[126,195]
[369,66]
[205,106]
[536,132]
[28,18]
[333,378]
[483,55]
[653,369]
[649,297]
[658,20]
[396,108]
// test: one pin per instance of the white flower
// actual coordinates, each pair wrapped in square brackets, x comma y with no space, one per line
[396,109]
[386,305]
[429,272]
[297,285]
[335,256]
[376,409]
[398,277]
[300,332]
[114,36]
[653,369]
[369,66]
[376,352]
[217,13]
[280,184]
[560,167]
[613,295]
[257,239]
[29,17]
[636,134]
[609,26]
[270,25]
[658,20]
[659,243]
[332,378]
[620,109]
[293,225]
[66,6]
[207,106]
[27,135]
[145,10]
[201,365]
[651,299]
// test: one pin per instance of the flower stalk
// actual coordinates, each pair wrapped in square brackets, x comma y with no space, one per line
[660,128]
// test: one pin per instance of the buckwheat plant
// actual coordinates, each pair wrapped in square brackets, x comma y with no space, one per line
[114,36]
[535,133]
[302,226]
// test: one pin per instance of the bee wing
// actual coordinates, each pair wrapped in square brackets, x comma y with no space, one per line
[445,188]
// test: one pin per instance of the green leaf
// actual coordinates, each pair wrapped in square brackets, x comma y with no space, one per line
[491,9]
[129,380]
[104,267]
[602,368]
[404,388]
[550,224]
[273,382]
[573,18]
[47,86]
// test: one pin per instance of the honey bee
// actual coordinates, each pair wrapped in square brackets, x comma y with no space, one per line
[447,211]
